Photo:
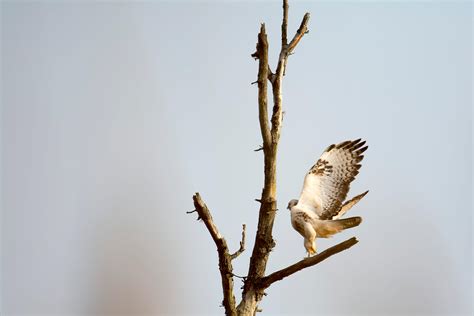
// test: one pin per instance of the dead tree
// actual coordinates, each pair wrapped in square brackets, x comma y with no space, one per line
[256,280]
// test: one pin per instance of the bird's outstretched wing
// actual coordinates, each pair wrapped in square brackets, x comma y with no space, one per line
[327,182]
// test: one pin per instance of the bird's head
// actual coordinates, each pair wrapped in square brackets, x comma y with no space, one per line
[291,204]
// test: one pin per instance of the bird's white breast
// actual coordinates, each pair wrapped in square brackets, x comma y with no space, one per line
[299,217]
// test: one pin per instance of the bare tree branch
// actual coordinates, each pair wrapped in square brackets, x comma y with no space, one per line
[285,52]
[302,30]
[284,25]
[225,260]
[307,262]
[284,33]
[242,245]
[262,55]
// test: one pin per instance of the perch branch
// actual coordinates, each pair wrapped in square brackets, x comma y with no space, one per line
[225,260]
[242,245]
[307,262]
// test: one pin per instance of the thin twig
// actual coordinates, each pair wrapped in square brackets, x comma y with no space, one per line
[239,277]
[259,148]
[193,211]
[242,245]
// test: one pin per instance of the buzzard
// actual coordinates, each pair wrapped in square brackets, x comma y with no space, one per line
[318,211]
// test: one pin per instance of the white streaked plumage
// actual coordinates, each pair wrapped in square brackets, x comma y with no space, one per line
[321,204]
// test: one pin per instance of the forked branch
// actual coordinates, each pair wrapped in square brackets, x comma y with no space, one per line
[302,30]
[225,260]
[285,51]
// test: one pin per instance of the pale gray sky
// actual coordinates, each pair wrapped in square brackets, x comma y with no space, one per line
[114,114]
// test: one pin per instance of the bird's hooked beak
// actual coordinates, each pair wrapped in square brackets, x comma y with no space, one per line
[291,204]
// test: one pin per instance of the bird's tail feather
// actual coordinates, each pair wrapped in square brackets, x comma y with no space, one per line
[348,222]
[331,227]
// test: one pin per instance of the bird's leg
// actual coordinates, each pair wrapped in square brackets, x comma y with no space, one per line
[310,239]
[312,248]
[310,242]
[307,246]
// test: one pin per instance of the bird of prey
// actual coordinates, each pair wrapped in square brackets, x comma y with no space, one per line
[318,211]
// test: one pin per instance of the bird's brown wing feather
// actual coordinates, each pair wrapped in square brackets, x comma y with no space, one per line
[327,182]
